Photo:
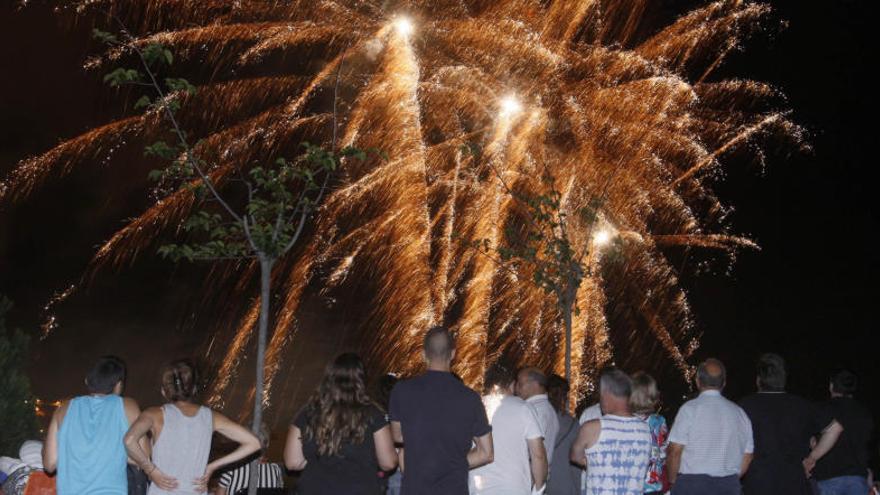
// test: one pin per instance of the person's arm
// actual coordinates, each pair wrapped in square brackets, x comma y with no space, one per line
[132,441]
[132,411]
[483,452]
[248,443]
[538,461]
[220,490]
[397,437]
[384,445]
[673,460]
[826,441]
[679,437]
[294,460]
[747,460]
[50,446]
[588,435]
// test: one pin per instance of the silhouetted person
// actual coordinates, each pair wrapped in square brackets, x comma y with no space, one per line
[711,442]
[783,425]
[616,448]
[440,424]
[340,436]
[84,441]
[566,479]
[520,460]
[843,469]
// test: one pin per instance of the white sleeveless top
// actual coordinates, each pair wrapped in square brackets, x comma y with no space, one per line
[618,462]
[183,448]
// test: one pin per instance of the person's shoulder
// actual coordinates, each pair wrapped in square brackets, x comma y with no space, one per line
[62,409]
[405,385]
[301,418]
[154,411]
[593,425]
[656,419]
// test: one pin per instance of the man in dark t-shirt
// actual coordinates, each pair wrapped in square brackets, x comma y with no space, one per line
[844,468]
[783,424]
[440,423]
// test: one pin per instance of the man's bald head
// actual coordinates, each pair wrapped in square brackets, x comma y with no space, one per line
[711,374]
[439,344]
[530,381]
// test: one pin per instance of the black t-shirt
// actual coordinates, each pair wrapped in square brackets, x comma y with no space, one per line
[439,417]
[352,472]
[782,425]
[849,456]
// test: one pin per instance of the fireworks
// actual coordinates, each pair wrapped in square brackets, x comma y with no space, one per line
[617,110]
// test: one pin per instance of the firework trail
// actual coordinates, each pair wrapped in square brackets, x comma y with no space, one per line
[615,108]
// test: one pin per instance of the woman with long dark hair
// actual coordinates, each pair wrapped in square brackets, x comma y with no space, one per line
[181,431]
[341,436]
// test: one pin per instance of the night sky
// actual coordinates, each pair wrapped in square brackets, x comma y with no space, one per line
[807,294]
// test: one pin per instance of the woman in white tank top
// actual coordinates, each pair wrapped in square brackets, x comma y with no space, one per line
[181,432]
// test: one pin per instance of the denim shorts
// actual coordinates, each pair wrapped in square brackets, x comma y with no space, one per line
[844,485]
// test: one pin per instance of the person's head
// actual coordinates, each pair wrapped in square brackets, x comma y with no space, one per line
[180,381]
[615,390]
[337,411]
[711,375]
[107,376]
[771,373]
[530,382]
[439,348]
[645,395]
[499,379]
[557,391]
[843,384]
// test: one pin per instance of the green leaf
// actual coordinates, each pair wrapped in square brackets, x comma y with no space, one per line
[143,102]
[180,84]
[121,76]
[160,149]
[104,36]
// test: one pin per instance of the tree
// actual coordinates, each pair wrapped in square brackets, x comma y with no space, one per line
[262,221]
[542,243]
[17,404]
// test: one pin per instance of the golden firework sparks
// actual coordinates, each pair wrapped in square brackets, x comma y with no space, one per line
[572,87]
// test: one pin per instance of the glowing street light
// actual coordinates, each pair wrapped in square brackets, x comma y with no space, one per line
[404,26]
[602,238]
[510,106]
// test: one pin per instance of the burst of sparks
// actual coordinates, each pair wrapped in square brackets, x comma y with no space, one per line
[633,120]
[602,238]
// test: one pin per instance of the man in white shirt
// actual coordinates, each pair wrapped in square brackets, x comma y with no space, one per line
[517,437]
[531,385]
[711,444]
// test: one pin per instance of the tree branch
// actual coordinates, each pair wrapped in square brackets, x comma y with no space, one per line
[170,115]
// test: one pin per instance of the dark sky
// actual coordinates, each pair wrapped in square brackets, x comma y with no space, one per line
[807,294]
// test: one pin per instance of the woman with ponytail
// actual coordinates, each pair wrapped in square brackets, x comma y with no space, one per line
[181,432]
